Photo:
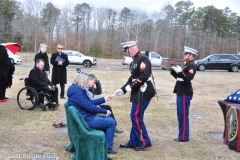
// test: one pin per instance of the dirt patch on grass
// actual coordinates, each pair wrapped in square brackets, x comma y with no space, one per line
[31,132]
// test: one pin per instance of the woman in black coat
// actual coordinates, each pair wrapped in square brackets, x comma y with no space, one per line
[60,62]
[43,55]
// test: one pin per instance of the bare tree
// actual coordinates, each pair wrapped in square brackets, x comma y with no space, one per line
[28,24]
[125,20]
[138,22]
[50,15]
[64,28]
[81,19]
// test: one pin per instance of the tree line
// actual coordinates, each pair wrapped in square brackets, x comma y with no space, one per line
[99,31]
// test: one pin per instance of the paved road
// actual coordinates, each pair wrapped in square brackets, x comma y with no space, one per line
[116,65]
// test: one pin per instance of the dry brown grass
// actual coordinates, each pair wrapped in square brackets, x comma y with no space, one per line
[30,132]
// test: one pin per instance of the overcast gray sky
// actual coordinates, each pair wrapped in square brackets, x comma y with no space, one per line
[151,5]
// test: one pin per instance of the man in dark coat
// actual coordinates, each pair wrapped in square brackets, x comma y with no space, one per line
[43,55]
[60,62]
[4,70]
[39,81]
[142,90]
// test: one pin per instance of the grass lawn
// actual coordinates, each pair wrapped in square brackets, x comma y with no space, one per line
[30,133]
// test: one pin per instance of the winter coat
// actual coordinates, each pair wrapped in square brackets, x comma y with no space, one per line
[38,79]
[97,90]
[78,98]
[4,65]
[10,73]
[43,56]
[59,72]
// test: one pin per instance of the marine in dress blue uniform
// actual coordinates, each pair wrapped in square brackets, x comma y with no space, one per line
[184,92]
[141,72]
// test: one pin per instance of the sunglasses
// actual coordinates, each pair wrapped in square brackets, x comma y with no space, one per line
[60,48]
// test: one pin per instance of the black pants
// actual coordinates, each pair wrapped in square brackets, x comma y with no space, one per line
[54,94]
[107,107]
[2,91]
[62,86]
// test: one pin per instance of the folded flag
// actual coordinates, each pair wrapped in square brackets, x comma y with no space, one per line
[234,97]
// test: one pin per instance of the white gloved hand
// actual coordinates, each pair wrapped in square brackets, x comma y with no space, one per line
[128,88]
[119,92]
[177,68]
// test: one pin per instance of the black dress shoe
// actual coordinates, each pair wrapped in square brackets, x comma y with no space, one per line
[111,151]
[141,148]
[56,105]
[125,146]
[178,140]
[63,97]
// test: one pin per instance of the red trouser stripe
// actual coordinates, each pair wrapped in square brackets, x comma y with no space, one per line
[184,117]
[137,122]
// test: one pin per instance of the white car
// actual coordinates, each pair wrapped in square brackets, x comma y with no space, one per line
[154,57]
[78,58]
[17,59]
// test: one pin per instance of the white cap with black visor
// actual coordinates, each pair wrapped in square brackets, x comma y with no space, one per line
[128,44]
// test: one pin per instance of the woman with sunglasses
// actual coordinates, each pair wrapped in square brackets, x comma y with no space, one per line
[59,60]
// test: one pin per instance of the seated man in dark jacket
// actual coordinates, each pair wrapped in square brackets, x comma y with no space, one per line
[39,81]
[98,91]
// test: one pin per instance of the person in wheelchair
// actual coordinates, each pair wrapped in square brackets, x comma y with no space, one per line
[39,81]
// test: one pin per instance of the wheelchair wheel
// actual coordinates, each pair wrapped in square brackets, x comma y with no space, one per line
[27,98]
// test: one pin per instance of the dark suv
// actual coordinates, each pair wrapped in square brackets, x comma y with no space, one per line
[230,62]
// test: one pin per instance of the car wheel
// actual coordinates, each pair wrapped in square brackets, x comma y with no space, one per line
[201,67]
[87,64]
[234,68]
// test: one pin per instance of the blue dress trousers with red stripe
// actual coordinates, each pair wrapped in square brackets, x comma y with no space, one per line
[184,91]
[183,104]
[138,124]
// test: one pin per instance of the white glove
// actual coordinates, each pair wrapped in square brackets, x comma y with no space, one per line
[177,68]
[143,87]
[119,92]
[128,88]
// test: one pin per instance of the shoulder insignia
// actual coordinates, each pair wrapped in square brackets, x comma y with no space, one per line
[191,71]
[142,66]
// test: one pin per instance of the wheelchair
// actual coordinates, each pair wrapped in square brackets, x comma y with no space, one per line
[28,98]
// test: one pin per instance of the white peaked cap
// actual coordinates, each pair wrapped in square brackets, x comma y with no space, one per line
[189,50]
[128,44]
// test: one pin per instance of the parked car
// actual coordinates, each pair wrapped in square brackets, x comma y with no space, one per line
[230,62]
[75,57]
[154,57]
[16,58]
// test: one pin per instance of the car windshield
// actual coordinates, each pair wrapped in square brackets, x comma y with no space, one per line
[155,55]
[73,53]
[212,57]
[76,54]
